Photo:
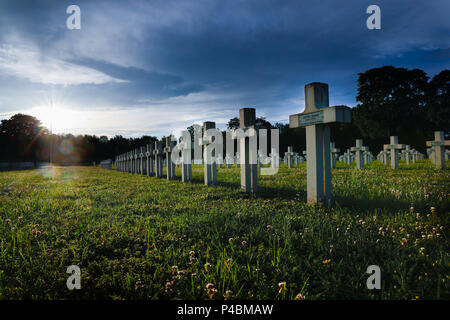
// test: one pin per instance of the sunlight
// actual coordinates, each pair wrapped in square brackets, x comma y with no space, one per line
[60,119]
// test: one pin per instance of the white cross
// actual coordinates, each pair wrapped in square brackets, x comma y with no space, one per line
[438,146]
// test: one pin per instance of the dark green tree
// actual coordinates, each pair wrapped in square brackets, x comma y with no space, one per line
[392,102]
[438,102]
[20,137]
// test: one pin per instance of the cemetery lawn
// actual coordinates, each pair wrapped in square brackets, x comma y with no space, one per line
[138,237]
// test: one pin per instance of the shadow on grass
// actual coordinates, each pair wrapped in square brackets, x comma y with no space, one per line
[281,193]
[263,191]
[371,204]
[389,205]
[357,204]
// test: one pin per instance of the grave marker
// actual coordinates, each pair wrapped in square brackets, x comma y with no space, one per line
[141,160]
[438,147]
[170,166]
[385,154]
[149,155]
[249,170]
[128,157]
[394,147]
[106,164]
[407,154]
[209,154]
[315,118]
[158,159]
[288,156]
[359,149]
[334,154]
[186,155]
[136,161]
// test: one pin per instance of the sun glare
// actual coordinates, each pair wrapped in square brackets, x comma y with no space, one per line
[57,118]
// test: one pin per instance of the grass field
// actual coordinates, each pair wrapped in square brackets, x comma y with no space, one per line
[136,237]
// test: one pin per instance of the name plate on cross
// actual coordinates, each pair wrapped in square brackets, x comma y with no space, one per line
[310,119]
[320,115]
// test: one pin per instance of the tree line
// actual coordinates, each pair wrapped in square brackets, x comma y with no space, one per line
[391,101]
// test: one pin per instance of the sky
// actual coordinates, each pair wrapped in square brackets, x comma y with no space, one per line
[156,67]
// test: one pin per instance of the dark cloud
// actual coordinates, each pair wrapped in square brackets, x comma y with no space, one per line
[259,53]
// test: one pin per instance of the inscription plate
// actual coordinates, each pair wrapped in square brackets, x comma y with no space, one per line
[437,143]
[310,119]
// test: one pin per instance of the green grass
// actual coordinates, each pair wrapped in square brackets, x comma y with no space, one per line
[132,235]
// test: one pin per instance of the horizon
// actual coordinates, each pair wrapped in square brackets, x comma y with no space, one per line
[176,64]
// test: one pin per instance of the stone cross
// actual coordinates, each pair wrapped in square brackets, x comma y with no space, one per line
[380,156]
[274,159]
[315,118]
[431,155]
[385,154]
[296,158]
[407,154]
[210,166]
[158,159]
[131,162]
[414,155]
[394,147]
[365,157]
[106,164]
[136,161]
[438,146]
[348,157]
[368,157]
[186,156]
[288,155]
[141,161]
[149,155]
[359,149]
[249,170]
[334,154]
[170,166]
